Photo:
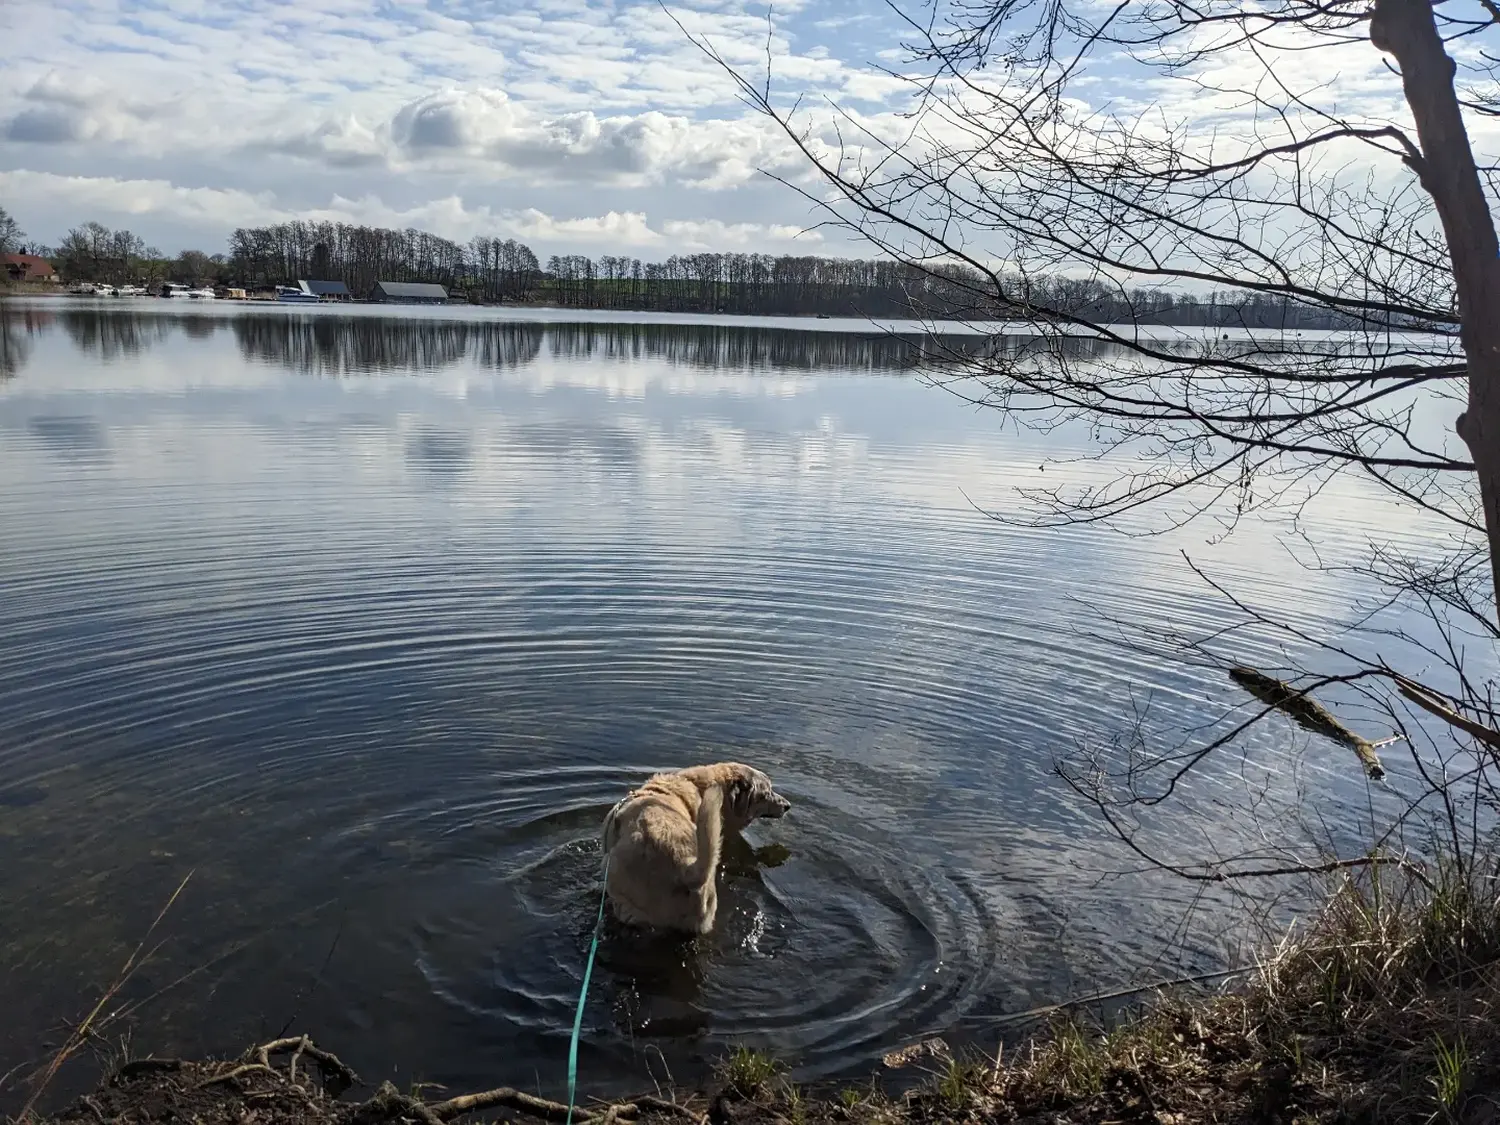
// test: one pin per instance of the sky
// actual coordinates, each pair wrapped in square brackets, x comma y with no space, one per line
[577,126]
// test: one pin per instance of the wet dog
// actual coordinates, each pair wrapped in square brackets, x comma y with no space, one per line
[664,841]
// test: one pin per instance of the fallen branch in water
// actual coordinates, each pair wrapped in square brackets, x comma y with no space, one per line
[1430,701]
[1308,713]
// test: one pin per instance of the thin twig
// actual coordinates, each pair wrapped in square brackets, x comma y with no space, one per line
[1100,997]
[235,1072]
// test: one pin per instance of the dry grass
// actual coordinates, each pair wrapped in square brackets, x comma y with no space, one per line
[1393,989]
[1383,1007]
[1380,1008]
[89,1028]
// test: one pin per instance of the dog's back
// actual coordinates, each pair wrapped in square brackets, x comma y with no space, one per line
[664,843]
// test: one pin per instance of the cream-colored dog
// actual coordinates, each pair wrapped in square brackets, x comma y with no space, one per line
[664,839]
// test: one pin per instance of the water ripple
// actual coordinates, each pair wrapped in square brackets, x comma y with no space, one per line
[381,710]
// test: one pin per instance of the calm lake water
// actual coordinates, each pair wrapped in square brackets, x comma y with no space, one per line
[366,618]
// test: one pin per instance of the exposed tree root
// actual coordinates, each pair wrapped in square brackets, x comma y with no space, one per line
[266,1088]
[393,1103]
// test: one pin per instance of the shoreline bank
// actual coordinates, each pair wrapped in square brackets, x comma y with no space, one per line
[1229,1057]
[1382,1008]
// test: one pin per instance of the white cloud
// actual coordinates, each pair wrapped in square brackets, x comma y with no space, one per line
[105,196]
[717,233]
[341,142]
[486,125]
[56,111]
[124,202]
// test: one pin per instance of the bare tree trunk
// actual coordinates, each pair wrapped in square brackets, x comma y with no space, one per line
[1407,29]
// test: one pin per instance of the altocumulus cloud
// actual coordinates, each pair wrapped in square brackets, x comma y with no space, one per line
[590,125]
[596,125]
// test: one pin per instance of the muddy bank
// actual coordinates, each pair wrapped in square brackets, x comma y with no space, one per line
[1384,1009]
[293,1081]
[1171,1069]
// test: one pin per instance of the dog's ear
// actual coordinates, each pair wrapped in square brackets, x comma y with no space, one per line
[739,796]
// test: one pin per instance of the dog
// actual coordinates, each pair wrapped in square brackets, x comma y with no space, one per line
[663,842]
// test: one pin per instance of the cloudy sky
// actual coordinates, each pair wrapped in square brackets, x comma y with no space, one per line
[578,126]
[584,126]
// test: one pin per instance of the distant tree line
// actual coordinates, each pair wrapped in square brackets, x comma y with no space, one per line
[486,269]
[94,252]
[763,284]
[491,270]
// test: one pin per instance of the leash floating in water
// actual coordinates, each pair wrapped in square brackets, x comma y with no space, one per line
[583,995]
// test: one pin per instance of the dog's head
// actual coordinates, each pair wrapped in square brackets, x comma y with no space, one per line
[749,795]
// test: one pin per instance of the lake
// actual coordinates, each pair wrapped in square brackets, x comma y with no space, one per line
[366,617]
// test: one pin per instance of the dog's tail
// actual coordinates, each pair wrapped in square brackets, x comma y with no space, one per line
[710,836]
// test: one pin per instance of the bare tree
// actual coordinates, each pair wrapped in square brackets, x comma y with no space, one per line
[11,234]
[1007,165]
[1226,164]
[93,252]
[194,267]
[153,266]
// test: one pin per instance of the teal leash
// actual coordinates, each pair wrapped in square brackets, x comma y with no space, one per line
[583,995]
